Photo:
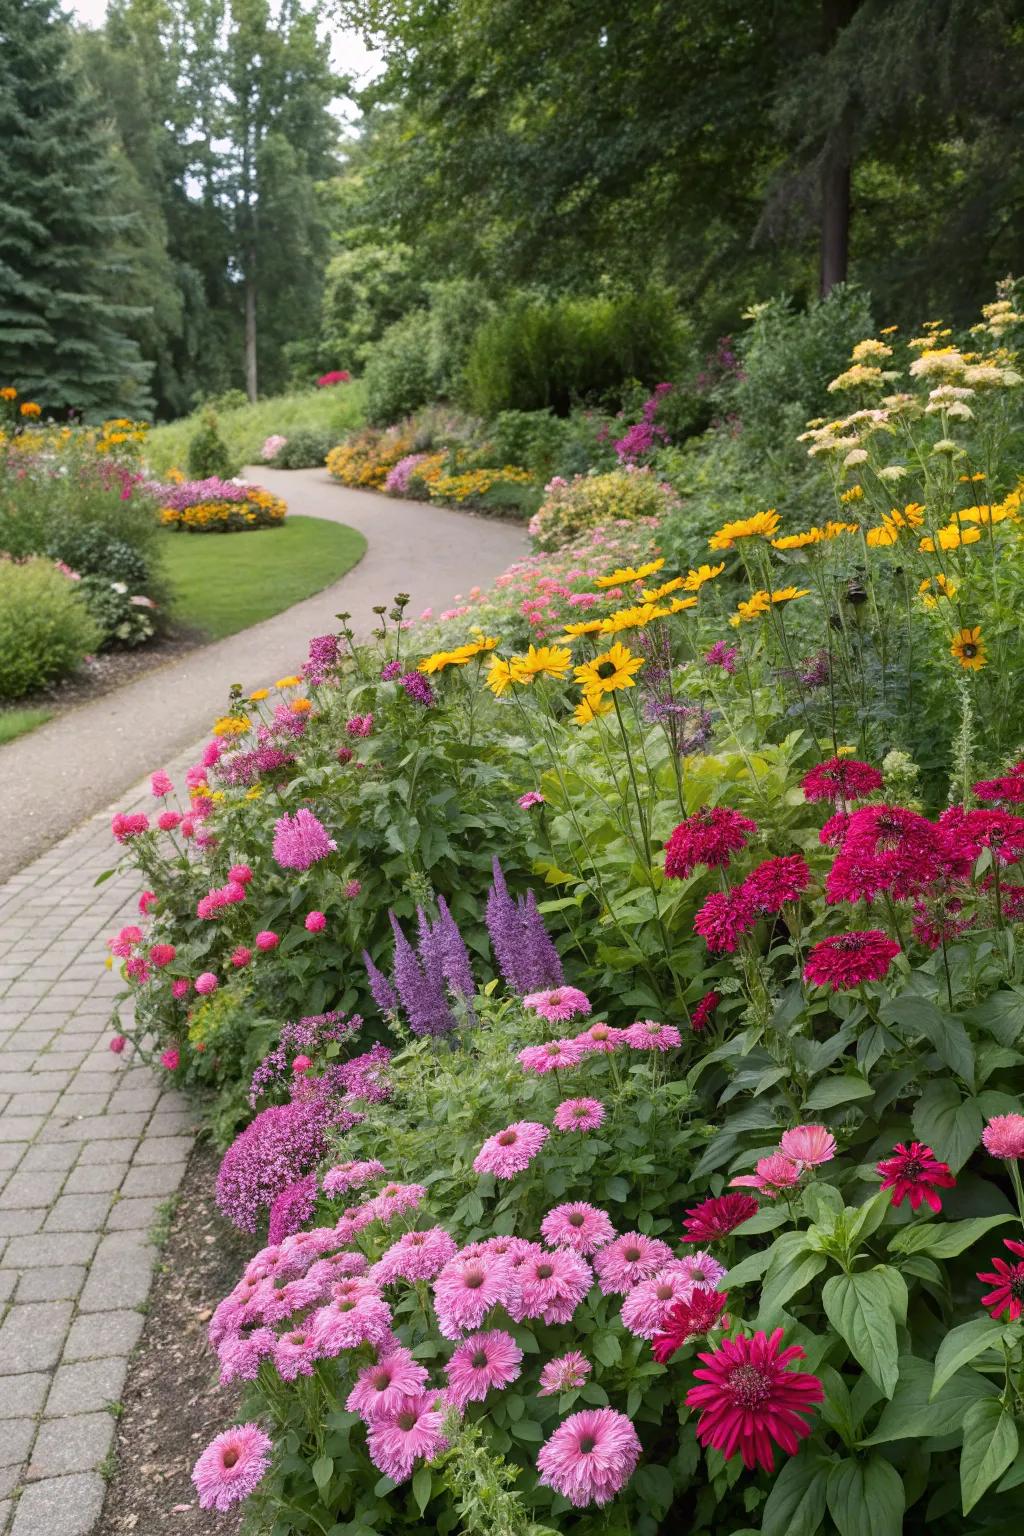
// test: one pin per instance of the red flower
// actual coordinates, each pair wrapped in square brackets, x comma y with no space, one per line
[708,837]
[1009,788]
[703,1011]
[688,1319]
[841,778]
[847,959]
[833,833]
[971,831]
[776,881]
[724,918]
[751,1398]
[1008,1283]
[715,1218]
[887,848]
[914,1173]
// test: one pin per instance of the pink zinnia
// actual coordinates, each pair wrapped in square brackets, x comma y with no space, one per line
[206,982]
[511,1150]
[579,1115]
[559,1004]
[532,797]
[301,840]
[718,1217]
[118,1044]
[847,959]
[578,1226]
[162,954]
[564,1374]
[773,1174]
[751,1398]
[689,1319]
[394,1200]
[700,1268]
[147,902]
[181,986]
[554,1053]
[629,1260]
[266,940]
[160,784]
[840,779]
[914,1173]
[603,1038]
[352,1175]
[240,956]
[466,1290]
[550,1285]
[649,1035]
[591,1457]
[231,1466]
[301,1064]
[395,1444]
[415,1256]
[1004,1137]
[168,820]
[648,1304]
[316,922]
[381,1389]
[809,1145]
[709,837]
[170,1059]
[480,1363]
[724,918]
[1007,1281]
[125,827]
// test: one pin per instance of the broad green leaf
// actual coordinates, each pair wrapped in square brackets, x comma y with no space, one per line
[607,1348]
[918,1016]
[837,1090]
[961,1346]
[949,1124]
[863,1220]
[913,1415]
[796,1503]
[784,1248]
[422,1484]
[323,1470]
[860,1309]
[784,1282]
[990,1445]
[654,1484]
[944,1239]
[1002,1015]
[866,1498]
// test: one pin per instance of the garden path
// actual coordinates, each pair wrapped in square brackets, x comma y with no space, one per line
[53,778]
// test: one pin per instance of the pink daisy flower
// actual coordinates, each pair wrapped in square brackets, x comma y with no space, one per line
[550,1285]
[749,1398]
[532,797]
[206,982]
[413,1432]
[629,1260]
[296,1353]
[480,1363]
[649,1035]
[231,1466]
[601,1038]
[552,1054]
[809,1145]
[467,1288]
[345,1176]
[394,1200]
[348,1321]
[511,1150]
[579,1115]
[773,1174]
[578,1226]
[381,1389]
[591,1457]
[700,1268]
[558,1005]
[646,1308]
[1004,1137]
[566,1373]
[416,1256]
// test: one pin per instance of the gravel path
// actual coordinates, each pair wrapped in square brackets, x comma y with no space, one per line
[53,778]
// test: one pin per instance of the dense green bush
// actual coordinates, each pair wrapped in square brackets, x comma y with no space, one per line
[124,618]
[45,628]
[398,377]
[207,451]
[304,450]
[536,354]
[592,501]
[92,550]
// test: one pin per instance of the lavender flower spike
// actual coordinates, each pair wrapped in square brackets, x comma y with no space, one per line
[384,994]
[421,989]
[526,957]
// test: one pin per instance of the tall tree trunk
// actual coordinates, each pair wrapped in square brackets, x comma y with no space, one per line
[251,370]
[836,167]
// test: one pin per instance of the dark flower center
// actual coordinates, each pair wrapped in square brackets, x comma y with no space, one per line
[606,669]
[474,1280]
[577,1219]
[664,1293]
[230,1457]
[545,1271]
[968,650]
[382,1380]
[507,1139]
[750,1387]
[479,1360]
[912,1168]
[587,1443]
[1017,1283]
[631,1255]
[406,1421]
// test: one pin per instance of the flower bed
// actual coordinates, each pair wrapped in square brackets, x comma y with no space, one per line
[644,1150]
[219,506]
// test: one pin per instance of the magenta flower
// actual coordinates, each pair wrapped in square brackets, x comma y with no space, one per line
[206,982]
[466,1290]
[773,1174]
[381,1389]
[267,940]
[125,827]
[601,1038]
[579,1115]
[511,1150]
[709,837]
[181,986]
[566,1373]
[550,1285]
[1004,1137]
[482,1362]
[415,1256]
[558,1004]
[231,1466]
[240,956]
[749,1397]
[914,1173]
[578,1226]
[532,797]
[170,1059]
[649,1035]
[351,1175]
[316,922]
[300,841]
[847,959]
[591,1457]
[647,1306]
[118,1044]
[348,1321]
[629,1260]
[160,784]
[168,820]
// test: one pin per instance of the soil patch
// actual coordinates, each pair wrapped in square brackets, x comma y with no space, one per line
[172,1403]
[111,669]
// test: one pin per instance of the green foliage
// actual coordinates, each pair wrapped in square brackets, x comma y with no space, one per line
[45,628]
[123,621]
[398,376]
[208,453]
[366,289]
[590,501]
[245,428]
[304,450]
[92,550]
[18,722]
[536,354]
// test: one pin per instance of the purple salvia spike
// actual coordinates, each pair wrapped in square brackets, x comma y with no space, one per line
[454,955]
[384,994]
[504,927]
[541,957]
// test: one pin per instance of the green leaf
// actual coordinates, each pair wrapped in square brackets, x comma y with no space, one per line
[422,1484]
[607,1348]
[796,1503]
[323,1471]
[961,1346]
[990,1444]
[866,1498]
[1002,1015]
[949,1124]
[654,1484]
[860,1309]
[785,1281]
[102,878]
[918,1016]
[914,1415]
[944,1239]
[837,1090]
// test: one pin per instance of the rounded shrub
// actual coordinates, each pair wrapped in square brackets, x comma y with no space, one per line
[591,501]
[306,449]
[92,550]
[398,376]
[207,451]
[45,628]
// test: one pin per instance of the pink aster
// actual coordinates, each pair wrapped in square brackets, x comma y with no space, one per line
[749,1398]
[578,1226]
[511,1150]
[773,1174]
[602,1038]
[349,1320]
[301,840]
[532,797]
[553,1053]
[1004,1137]
[125,827]
[467,1288]
[380,1389]
[231,1466]
[649,1035]
[316,922]
[579,1115]
[415,1256]
[629,1260]
[648,1304]
[482,1362]
[147,902]
[351,1175]
[162,954]
[590,1457]
[206,982]
[181,986]
[394,1200]
[809,1145]
[550,1285]
[558,1004]
[566,1373]
[1007,1281]
[413,1432]
[240,956]
[296,1353]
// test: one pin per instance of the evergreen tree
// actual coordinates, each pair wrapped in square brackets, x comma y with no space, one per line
[64,250]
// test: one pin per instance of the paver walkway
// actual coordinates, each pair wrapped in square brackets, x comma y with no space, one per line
[79,762]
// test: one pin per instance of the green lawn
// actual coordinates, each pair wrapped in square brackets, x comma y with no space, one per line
[223,582]
[336,411]
[15,722]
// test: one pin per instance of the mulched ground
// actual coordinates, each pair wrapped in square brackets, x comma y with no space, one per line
[173,1405]
[112,669]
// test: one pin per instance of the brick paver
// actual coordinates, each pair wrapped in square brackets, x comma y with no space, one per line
[91,1144]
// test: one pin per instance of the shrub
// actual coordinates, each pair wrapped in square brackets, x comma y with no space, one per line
[587,501]
[220,506]
[91,550]
[539,355]
[125,618]
[304,450]
[207,452]
[398,376]
[45,628]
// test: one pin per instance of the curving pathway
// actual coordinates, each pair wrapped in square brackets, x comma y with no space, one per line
[90,1143]
[53,778]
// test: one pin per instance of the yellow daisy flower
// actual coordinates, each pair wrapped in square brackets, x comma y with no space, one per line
[969,649]
[301,706]
[833,530]
[753,607]
[985,514]
[589,707]
[680,604]
[853,494]
[881,538]
[435,663]
[942,588]
[258,694]
[761,525]
[695,579]
[655,594]
[288,682]
[789,594]
[969,479]
[255,792]
[542,661]
[798,540]
[637,617]
[627,573]
[586,627]
[500,676]
[950,537]
[612,670]
[888,330]
[230,725]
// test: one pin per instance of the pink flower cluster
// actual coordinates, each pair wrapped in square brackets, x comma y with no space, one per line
[806,1146]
